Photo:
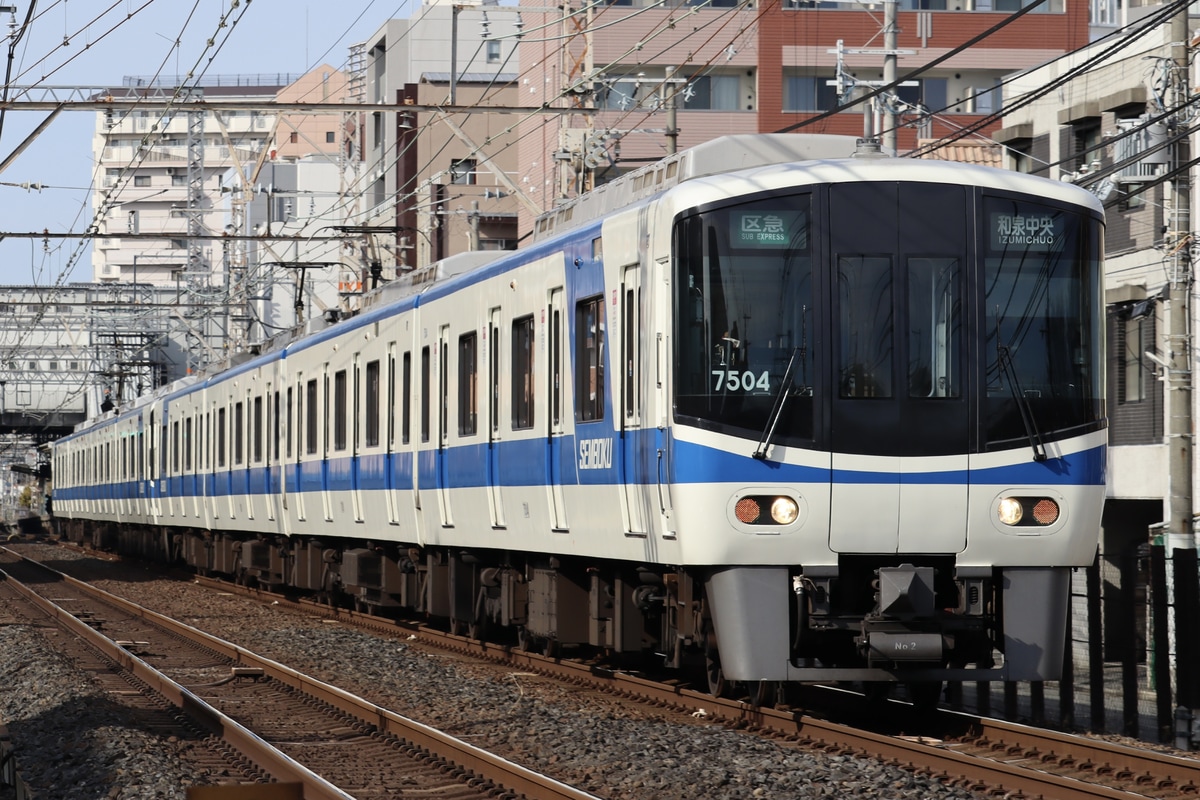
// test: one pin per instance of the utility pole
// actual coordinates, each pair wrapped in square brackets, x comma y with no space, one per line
[890,31]
[1179,343]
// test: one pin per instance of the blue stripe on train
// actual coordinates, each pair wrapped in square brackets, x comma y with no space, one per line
[534,462]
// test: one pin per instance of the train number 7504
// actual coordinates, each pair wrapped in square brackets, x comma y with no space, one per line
[730,381]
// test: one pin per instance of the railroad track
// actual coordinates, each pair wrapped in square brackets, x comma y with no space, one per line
[984,755]
[977,753]
[287,726]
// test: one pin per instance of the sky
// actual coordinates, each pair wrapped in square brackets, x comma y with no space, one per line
[88,43]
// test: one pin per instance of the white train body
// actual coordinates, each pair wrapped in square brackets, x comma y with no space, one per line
[584,441]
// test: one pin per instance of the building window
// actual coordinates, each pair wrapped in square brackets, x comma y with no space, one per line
[930,93]
[1085,142]
[179,180]
[809,93]
[330,137]
[1133,385]
[493,51]
[294,137]
[623,94]
[142,181]
[462,171]
[714,91]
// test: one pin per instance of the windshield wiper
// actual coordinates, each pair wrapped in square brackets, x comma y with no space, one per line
[1004,357]
[764,441]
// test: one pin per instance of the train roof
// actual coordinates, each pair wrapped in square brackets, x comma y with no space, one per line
[826,157]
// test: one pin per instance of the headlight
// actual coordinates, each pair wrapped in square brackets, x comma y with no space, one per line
[1029,512]
[784,510]
[1010,511]
[766,510]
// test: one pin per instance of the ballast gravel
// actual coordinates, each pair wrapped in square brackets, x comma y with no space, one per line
[70,743]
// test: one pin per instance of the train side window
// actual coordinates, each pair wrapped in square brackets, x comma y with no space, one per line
[310,428]
[556,367]
[631,346]
[391,399]
[406,399]
[468,389]
[589,359]
[494,372]
[258,430]
[187,444]
[278,427]
[522,373]
[339,410]
[425,394]
[175,447]
[371,428]
[288,425]
[220,437]
[239,430]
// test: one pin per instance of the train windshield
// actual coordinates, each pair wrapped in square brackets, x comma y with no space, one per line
[1043,335]
[744,303]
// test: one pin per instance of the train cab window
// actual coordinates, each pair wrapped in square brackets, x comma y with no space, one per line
[589,360]
[745,331]
[239,430]
[371,426]
[522,373]
[468,384]
[865,326]
[310,427]
[1044,337]
[934,327]
[339,410]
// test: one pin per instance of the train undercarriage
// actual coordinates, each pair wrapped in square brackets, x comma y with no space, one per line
[868,617]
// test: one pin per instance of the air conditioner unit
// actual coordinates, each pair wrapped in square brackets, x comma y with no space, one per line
[171,171]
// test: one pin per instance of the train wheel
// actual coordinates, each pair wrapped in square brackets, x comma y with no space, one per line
[764,693]
[524,640]
[717,685]
[925,695]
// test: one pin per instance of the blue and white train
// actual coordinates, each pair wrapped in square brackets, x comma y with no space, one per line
[767,408]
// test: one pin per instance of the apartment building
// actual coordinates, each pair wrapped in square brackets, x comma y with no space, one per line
[722,67]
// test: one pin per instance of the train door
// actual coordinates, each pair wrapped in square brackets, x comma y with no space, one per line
[898,387]
[632,464]
[556,439]
[441,456]
[495,505]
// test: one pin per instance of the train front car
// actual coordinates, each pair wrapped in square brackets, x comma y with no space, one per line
[888,425]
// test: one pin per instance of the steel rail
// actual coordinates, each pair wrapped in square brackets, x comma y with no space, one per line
[491,767]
